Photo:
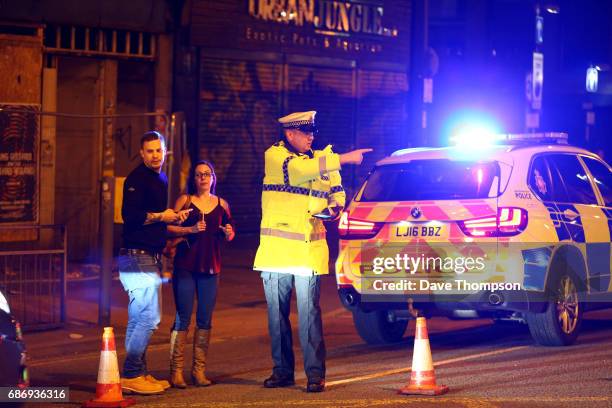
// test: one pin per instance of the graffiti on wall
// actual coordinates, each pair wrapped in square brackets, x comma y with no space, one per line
[123,140]
[238,118]
[240,102]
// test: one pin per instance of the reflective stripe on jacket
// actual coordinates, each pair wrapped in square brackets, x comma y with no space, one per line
[296,187]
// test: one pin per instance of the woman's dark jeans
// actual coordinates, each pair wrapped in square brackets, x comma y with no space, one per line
[186,285]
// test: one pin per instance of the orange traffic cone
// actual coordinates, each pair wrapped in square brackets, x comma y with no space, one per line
[422,377]
[108,387]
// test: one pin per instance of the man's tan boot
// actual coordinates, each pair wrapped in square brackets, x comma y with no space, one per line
[165,384]
[140,385]
[201,340]
[177,358]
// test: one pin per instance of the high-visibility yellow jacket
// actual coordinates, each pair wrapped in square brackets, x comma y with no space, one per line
[295,187]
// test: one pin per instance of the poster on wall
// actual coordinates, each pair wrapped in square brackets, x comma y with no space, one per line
[19,128]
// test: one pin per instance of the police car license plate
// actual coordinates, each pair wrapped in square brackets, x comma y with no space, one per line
[407,231]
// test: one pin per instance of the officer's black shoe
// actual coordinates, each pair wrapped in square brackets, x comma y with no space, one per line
[277,381]
[315,386]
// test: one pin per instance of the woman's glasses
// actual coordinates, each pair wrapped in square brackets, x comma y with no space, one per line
[203,175]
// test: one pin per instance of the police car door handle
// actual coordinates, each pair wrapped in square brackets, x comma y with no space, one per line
[570,214]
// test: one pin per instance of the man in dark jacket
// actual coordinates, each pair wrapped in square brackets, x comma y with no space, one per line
[145,215]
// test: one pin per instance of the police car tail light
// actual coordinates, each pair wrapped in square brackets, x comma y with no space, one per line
[508,222]
[350,228]
[342,280]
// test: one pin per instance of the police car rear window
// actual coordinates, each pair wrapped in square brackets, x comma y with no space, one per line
[432,180]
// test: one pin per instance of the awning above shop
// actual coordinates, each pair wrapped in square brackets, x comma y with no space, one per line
[141,15]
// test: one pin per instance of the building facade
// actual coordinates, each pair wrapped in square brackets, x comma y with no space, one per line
[241,64]
[67,68]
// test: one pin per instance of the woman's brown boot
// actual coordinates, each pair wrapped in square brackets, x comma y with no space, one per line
[201,340]
[177,358]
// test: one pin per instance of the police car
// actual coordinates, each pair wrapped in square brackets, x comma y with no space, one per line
[528,216]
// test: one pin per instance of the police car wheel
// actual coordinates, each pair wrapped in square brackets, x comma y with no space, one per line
[377,328]
[560,323]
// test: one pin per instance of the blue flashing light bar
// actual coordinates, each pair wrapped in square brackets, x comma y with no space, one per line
[473,136]
[532,138]
[484,140]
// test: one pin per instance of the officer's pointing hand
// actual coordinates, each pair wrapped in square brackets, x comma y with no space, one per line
[353,157]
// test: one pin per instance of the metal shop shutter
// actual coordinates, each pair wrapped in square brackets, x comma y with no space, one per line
[329,91]
[237,121]
[382,115]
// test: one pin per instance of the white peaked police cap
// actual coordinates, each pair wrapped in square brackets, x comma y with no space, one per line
[298,119]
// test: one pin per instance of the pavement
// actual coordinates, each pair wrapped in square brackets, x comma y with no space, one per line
[82,334]
[484,364]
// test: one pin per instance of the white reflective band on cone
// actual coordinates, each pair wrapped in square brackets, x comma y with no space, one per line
[108,372]
[421,357]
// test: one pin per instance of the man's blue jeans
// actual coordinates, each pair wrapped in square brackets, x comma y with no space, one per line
[277,287]
[140,276]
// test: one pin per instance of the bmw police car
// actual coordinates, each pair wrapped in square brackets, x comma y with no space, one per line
[519,230]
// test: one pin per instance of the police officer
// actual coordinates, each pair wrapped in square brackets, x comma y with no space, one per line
[300,188]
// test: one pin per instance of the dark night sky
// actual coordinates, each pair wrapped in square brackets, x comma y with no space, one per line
[485,50]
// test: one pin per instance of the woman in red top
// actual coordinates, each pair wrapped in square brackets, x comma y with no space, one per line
[197,265]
